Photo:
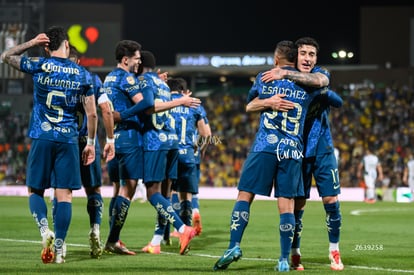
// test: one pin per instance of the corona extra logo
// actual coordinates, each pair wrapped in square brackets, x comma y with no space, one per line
[81,39]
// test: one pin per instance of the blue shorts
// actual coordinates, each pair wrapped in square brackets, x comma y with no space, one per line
[113,170]
[198,173]
[187,178]
[91,175]
[53,164]
[324,169]
[130,163]
[160,165]
[263,171]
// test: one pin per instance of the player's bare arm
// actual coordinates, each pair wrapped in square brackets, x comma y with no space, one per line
[185,100]
[275,102]
[108,121]
[13,57]
[88,154]
[317,80]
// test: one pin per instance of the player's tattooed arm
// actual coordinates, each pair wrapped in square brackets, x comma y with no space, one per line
[309,79]
[317,79]
[13,57]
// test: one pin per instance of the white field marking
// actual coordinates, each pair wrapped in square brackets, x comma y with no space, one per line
[243,258]
[358,212]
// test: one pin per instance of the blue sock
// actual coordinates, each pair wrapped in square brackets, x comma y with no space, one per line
[38,209]
[54,204]
[286,231]
[238,222]
[333,221]
[175,201]
[194,202]
[186,212]
[95,208]
[167,227]
[298,228]
[164,208]
[120,213]
[62,222]
[161,225]
[111,209]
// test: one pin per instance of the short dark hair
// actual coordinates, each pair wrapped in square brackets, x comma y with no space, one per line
[177,84]
[287,49]
[148,59]
[56,36]
[307,41]
[126,48]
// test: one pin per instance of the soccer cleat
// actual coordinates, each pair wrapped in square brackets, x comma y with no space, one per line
[59,257]
[197,223]
[336,263]
[185,239]
[296,263]
[118,248]
[282,266]
[64,250]
[95,244]
[370,201]
[47,254]
[152,249]
[231,255]
[175,234]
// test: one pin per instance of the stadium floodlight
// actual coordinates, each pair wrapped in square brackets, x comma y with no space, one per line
[342,54]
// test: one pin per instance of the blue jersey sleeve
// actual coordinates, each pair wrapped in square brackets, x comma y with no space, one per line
[145,103]
[254,90]
[334,99]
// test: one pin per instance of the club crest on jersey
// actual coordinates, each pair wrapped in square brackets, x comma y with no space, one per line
[131,80]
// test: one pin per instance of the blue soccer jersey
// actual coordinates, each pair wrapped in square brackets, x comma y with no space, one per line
[121,86]
[281,133]
[317,132]
[158,133]
[184,120]
[59,86]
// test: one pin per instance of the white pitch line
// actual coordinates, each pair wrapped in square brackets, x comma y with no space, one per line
[244,258]
[358,212]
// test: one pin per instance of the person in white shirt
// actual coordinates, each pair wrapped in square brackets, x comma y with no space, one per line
[371,166]
[408,174]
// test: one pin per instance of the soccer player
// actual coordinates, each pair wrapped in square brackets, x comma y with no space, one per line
[372,169]
[408,173]
[53,161]
[204,139]
[278,147]
[160,143]
[122,89]
[188,123]
[319,159]
[91,174]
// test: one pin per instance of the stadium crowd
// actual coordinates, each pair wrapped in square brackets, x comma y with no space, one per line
[381,114]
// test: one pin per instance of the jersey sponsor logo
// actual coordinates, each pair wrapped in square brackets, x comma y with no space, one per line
[272,139]
[287,149]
